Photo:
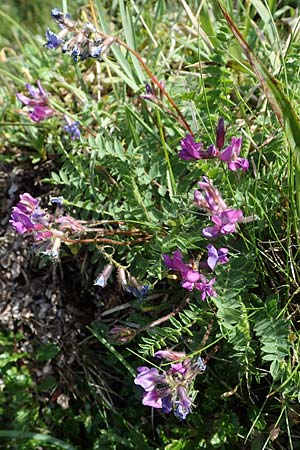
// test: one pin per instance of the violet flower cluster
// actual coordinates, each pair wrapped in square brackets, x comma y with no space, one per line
[223,217]
[192,150]
[224,222]
[81,42]
[37,102]
[39,108]
[171,390]
[191,278]
[47,230]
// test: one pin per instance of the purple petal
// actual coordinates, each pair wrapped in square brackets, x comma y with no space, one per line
[20,222]
[191,275]
[240,163]
[152,399]
[32,91]
[148,377]
[53,41]
[226,154]
[167,404]
[236,145]
[211,232]
[41,113]
[190,149]
[23,99]
[176,262]
[212,256]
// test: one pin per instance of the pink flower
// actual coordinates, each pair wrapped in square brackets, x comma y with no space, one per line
[68,223]
[190,149]
[20,221]
[216,256]
[205,287]
[224,223]
[175,262]
[231,156]
[40,109]
[211,200]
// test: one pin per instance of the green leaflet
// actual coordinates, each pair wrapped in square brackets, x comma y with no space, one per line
[273,91]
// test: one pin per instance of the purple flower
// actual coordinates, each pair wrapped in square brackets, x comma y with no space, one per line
[72,128]
[38,101]
[175,263]
[27,214]
[56,14]
[120,334]
[183,404]
[20,221]
[152,398]
[190,149]
[190,277]
[231,156]
[137,290]
[150,94]
[58,201]
[224,223]
[75,53]
[147,378]
[205,287]
[27,203]
[172,390]
[68,223]
[216,256]
[95,51]
[211,200]
[53,40]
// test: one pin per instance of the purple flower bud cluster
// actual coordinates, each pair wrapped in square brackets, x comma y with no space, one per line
[192,150]
[28,218]
[224,218]
[171,390]
[81,42]
[41,110]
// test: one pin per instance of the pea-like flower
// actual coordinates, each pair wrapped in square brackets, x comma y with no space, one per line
[216,256]
[103,276]
[230,155]
[211,200]
[81,41]
[192,150]
[72,127]
[47,230]
[191,279]
[171,389]
[38,103]
[224,223]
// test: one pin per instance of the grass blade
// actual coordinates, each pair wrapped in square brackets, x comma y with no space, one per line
[279,102]
[14,434]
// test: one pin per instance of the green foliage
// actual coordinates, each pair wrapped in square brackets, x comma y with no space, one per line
[125,173]
[273,332]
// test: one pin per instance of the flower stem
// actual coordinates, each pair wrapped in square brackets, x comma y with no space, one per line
[180,116]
